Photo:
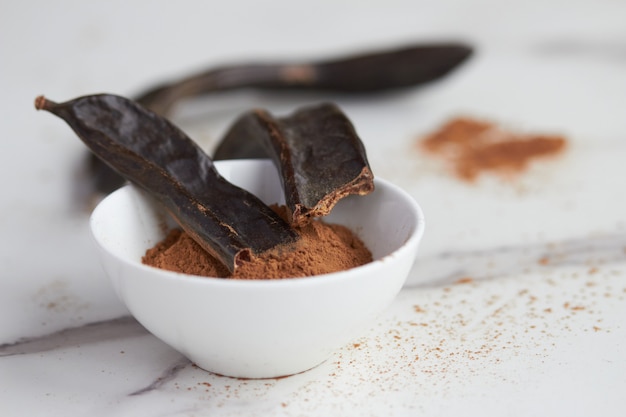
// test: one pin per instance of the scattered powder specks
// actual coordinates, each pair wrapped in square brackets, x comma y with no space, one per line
[434,343]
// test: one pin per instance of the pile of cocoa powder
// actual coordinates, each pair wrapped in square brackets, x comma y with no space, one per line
[322,248]
[473,147]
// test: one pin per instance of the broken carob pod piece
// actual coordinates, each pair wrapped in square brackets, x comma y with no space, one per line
[227,221]
[316,150]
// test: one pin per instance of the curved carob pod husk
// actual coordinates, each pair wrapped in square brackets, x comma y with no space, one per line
[316,150]
[148,150]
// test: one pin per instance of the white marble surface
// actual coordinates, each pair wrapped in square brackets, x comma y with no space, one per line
[525,337]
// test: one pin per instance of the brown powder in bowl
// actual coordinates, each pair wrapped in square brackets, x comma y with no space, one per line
[474,146]
[322,248]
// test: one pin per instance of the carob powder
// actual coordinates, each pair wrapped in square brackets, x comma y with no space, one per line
[322,248]
[474,146]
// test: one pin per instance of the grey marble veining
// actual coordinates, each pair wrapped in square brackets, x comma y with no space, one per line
[519,290]
[74,336]
[448,267]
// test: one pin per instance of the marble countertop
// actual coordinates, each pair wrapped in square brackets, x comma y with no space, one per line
[517,301]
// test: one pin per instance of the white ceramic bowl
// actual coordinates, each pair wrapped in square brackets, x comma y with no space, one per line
[258,329]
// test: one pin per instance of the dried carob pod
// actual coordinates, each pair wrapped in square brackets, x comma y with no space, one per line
[317,151]
[368,72]
[148,150]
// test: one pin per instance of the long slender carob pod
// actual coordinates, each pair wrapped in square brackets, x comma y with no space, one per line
[368,72]
[146,149]
[316,150]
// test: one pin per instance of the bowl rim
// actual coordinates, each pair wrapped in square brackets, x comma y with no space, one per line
[410,243]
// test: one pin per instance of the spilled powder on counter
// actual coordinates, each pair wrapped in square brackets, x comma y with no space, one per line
[473,147]
[323,248]
[433,342]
